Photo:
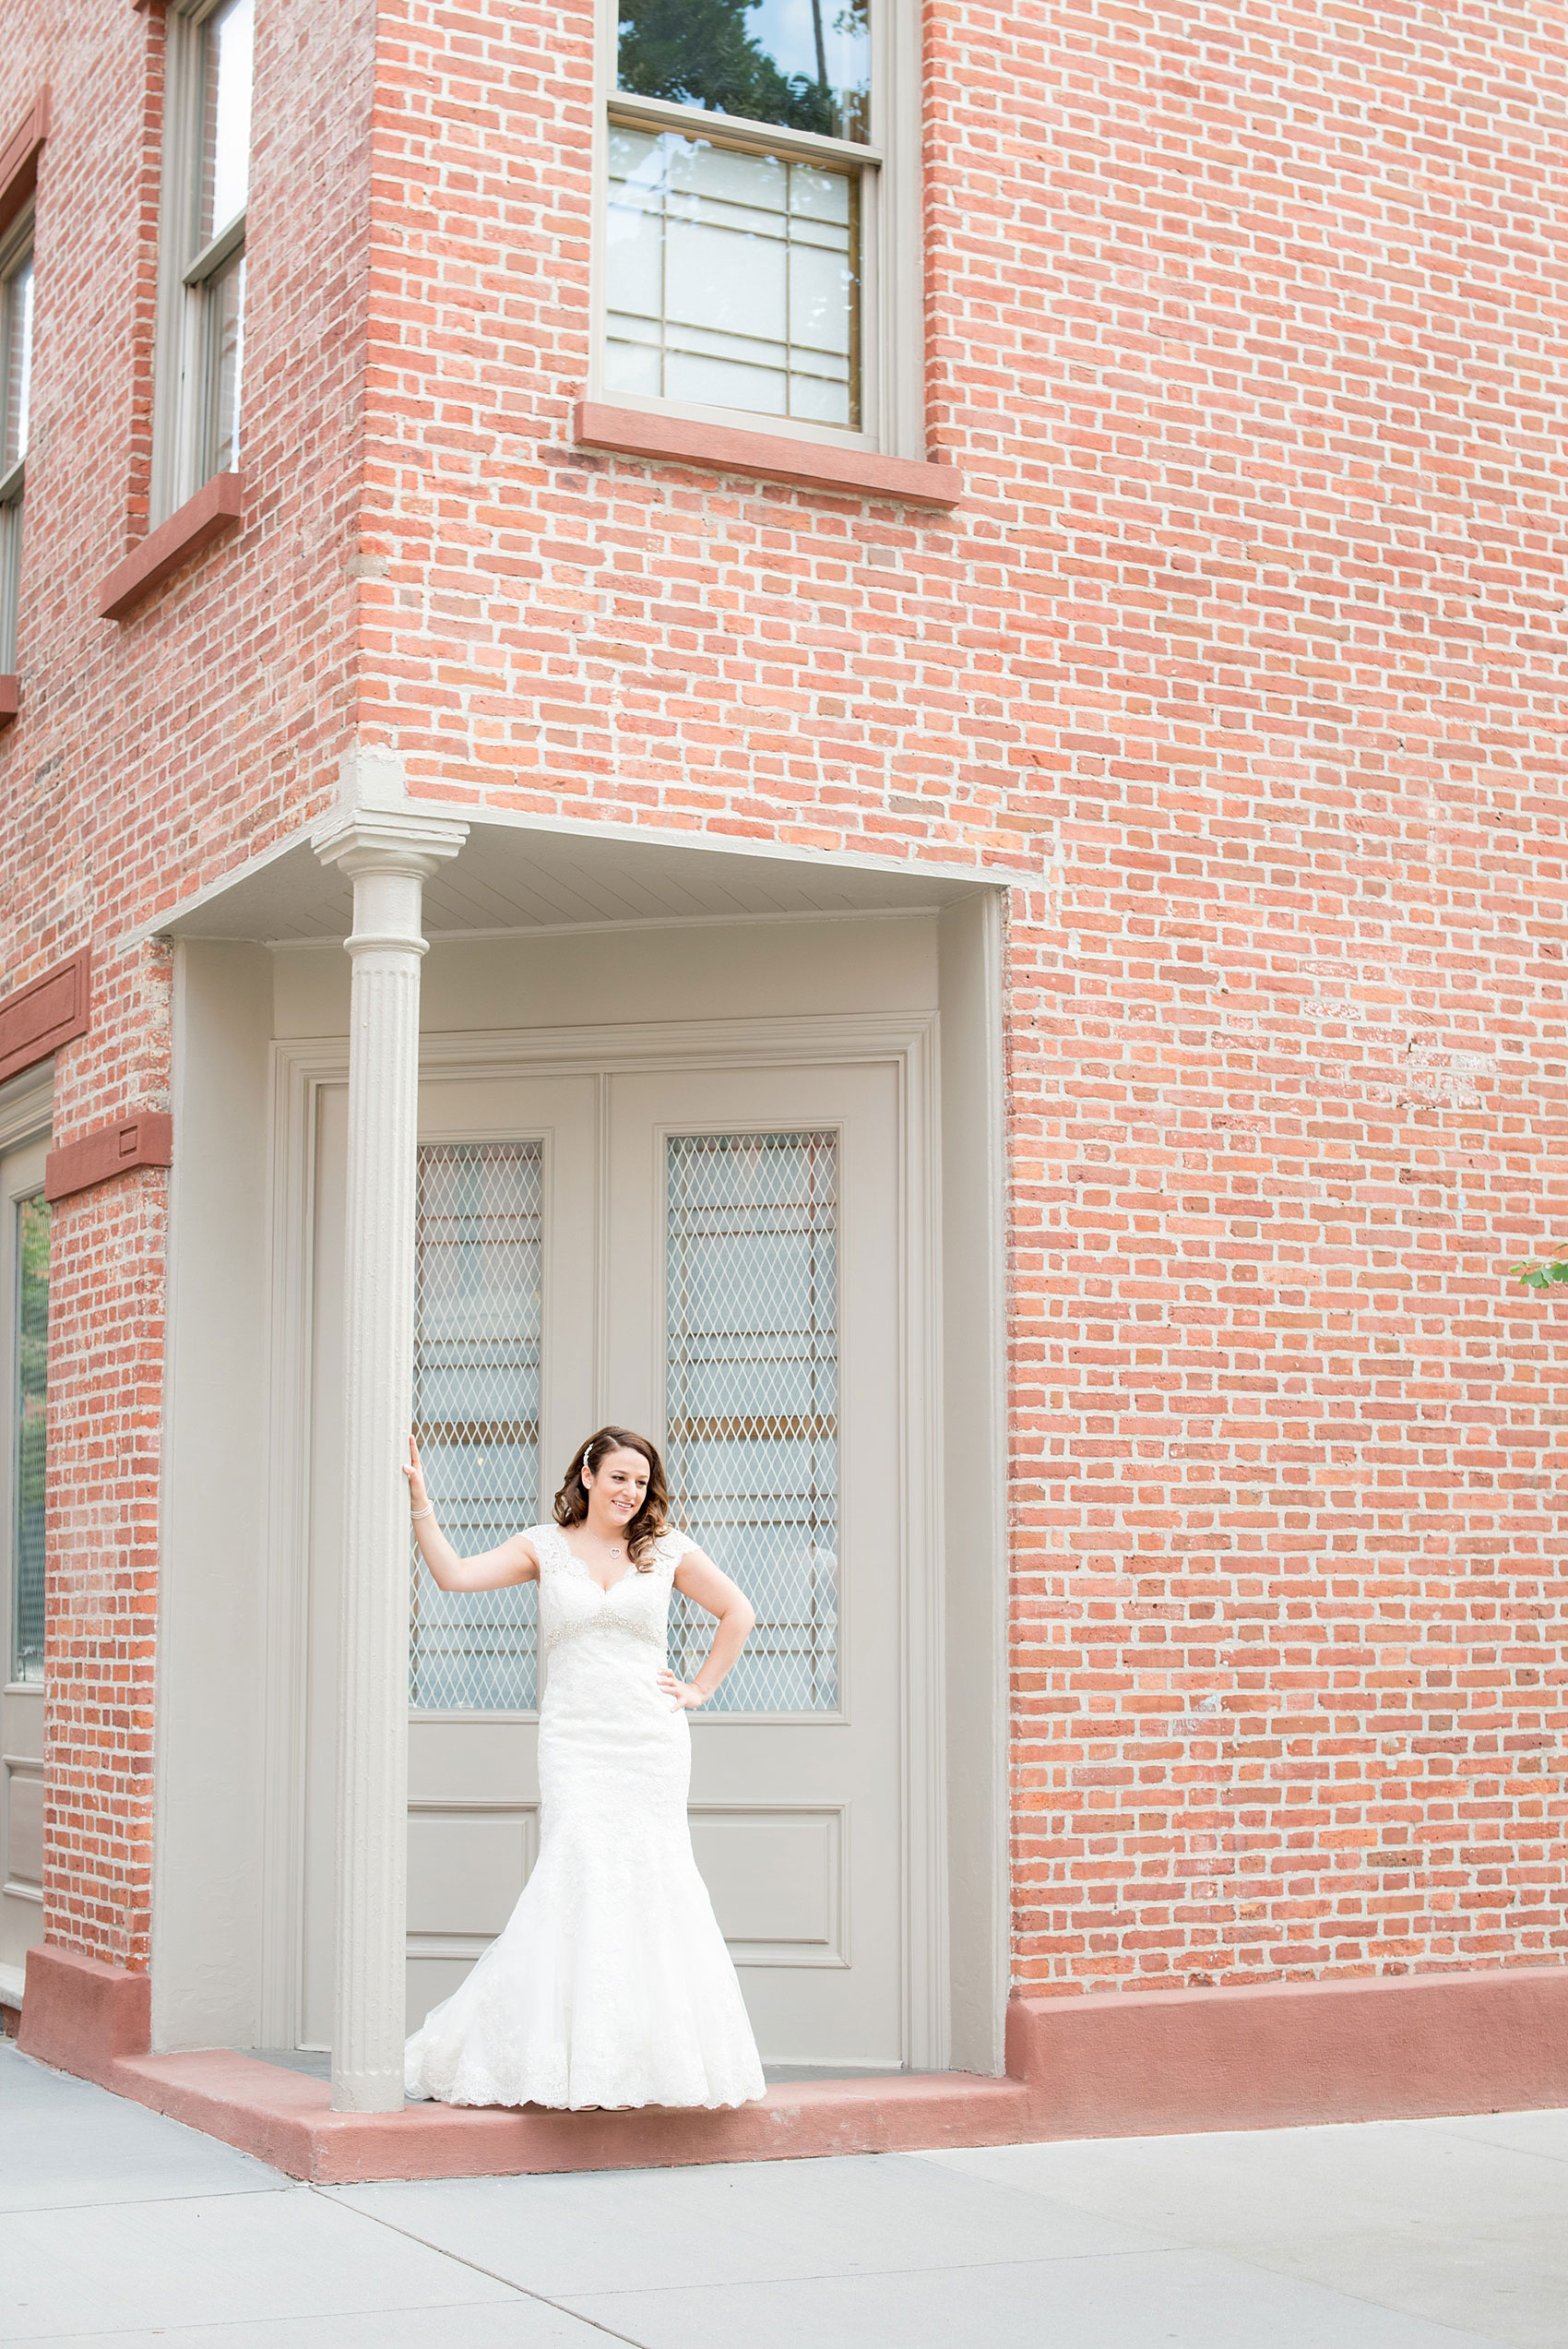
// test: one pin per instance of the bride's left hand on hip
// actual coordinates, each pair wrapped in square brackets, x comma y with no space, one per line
[683,1697]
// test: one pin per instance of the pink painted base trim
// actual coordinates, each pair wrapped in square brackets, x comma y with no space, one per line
[1144,2063]
[1287,2054]
[82,2016]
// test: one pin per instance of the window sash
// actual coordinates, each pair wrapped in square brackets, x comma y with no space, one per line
[861,166]
[731,266]
[10,576]
[16,382]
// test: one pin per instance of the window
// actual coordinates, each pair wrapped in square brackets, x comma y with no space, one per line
[206,174]
[753,238]
[30,1304]
[16,390]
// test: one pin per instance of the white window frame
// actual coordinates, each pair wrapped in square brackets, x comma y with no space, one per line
[892,353]
[16,251]
[183,385]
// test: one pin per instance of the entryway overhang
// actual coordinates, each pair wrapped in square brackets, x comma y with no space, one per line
[519,873]
[384,876]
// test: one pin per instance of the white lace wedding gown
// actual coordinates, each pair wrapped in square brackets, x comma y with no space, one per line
[611,1984]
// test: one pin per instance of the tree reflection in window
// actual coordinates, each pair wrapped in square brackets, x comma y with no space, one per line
[806,64]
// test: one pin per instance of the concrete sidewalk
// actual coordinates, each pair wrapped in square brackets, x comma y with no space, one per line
[119,2229]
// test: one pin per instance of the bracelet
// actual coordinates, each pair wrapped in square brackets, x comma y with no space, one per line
[428,1510]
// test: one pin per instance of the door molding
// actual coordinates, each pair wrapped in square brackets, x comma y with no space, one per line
[301,1069]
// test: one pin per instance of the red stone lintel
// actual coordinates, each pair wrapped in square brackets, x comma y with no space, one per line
[146,1140]
[46,1013]
[215,509]
[19,160]
[9,697]
[773,457]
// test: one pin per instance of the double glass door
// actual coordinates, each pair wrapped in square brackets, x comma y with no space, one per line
[711,1255]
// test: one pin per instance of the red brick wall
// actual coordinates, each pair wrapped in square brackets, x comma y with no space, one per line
[1244,327]
[1288,1035]
[151,755]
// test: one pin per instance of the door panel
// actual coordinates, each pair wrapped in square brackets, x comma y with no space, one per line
[24,1341]
[753,1319]
[473,1769]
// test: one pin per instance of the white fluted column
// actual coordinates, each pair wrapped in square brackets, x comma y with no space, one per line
[388,856]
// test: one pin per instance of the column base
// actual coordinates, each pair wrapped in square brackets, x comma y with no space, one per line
[367,2092]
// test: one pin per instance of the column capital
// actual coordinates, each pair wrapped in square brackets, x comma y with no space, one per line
[387,840]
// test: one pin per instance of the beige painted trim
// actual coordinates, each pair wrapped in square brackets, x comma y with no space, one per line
[972,1062]
[737,130]
[296,1080]
[927,2000]
[27,1108]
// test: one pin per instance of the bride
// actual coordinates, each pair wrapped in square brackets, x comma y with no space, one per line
[610,1983]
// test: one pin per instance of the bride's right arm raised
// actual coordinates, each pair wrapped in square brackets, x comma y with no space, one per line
[513,1561]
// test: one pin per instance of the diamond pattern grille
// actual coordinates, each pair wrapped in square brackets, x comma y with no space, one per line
[477,1331]
[752,1388]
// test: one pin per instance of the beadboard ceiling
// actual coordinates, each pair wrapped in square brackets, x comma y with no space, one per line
[518,876]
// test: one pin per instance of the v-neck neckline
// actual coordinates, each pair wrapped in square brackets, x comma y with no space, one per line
[604,1589]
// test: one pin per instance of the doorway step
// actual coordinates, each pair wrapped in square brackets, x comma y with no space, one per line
[284,2117]
[1275,2055]
[94,2020]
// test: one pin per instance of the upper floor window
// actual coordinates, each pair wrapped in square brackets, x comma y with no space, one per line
[16,395]
[207,176]
[750,218]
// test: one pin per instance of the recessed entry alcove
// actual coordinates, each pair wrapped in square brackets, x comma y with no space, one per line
[710,1141]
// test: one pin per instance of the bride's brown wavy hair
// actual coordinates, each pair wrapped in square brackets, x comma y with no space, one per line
[572,1500]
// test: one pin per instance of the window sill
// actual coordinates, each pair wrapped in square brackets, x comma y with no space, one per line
[9,698]
[214,510]
[722,449]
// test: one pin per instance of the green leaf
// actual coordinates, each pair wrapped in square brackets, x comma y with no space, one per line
[1546,1274]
